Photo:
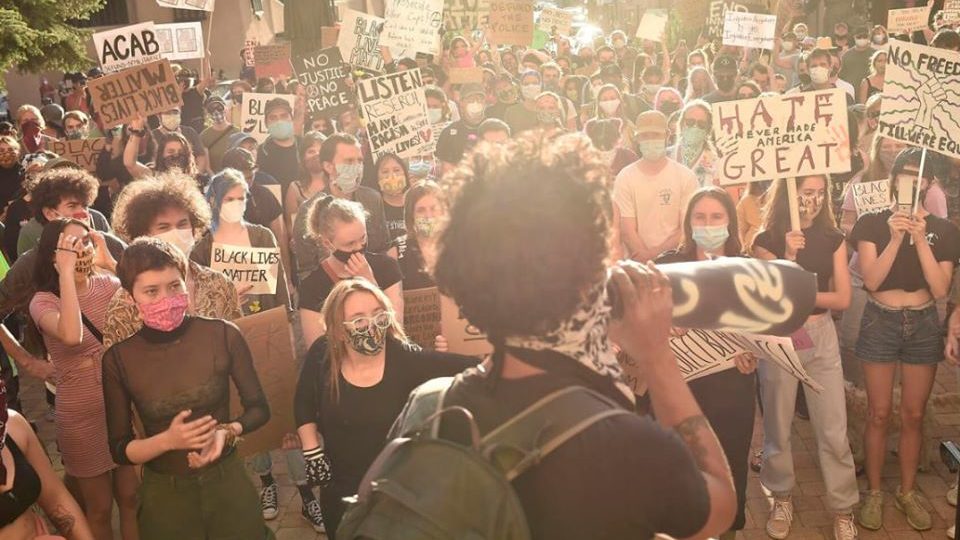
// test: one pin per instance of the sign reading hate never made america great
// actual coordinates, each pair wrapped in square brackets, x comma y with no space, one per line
[396,111]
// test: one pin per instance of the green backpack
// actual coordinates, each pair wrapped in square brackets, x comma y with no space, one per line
[424,487]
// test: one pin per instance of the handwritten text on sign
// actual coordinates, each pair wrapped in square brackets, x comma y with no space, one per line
[180,41]
[511,22]
[465,15]
[83,152]
[396,111]
[921,97]
[556,20]
[324,79]
[907,20]
[752,30]
[126,47]
[272,60]
[421,315]
[413,25]
[147,89]
[359,40]
[871,197]
[781,136]
[253,110]
[256,267]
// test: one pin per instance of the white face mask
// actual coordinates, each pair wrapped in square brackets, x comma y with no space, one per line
[434,116]
[170,122]
[862,43]
[530,91]
[820,75]
[609,106]
[232,212]
[474,110]
[181,238]
[787,46]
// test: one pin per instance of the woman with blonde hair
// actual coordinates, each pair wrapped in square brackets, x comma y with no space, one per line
[355,381]
[873,83]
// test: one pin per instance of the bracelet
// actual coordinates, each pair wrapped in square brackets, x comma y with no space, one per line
[136,132]
[232,440]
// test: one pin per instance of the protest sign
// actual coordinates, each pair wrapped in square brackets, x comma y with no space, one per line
[324,79]
[248,266]
[921,97]
[125,47]
[180,41]
[871,197]
[465,15]
[195,5]
[83,152]
[272,60]
[359,40]
[908,20]
[653,24]
[753,30]
[718,9]
[413,26]
[556,21]
[396,111]
[430,135]
[462,337]
[465,75]
[511,22]
[951,11]
[252,113]
[781,136]
[147,89]
[247,52]
[270,340]
[421,315]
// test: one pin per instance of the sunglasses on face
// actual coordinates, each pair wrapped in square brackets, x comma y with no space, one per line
[690,122]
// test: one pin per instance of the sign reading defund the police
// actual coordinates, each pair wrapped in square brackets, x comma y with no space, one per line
[257,268]
[782,136]
[128,46]
[921,97]
[396,111]
[147,89]
[324,78]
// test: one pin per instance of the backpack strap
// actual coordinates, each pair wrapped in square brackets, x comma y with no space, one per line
[423,404]
[541,428]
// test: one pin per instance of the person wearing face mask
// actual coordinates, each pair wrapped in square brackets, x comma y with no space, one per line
[393,180]
[507,93]
[820,65]
[228,195]
[279,155]
[725,72]
[550,113]
[340,226]
[170,123]
[216,137]
[878,36]
[76,125]
[786,56]
[523,115]
[174,151]
[31,126]
[461,136]
[312,179]
[606,136]
[694,149]
[841,35]
[855,61]
[11,172]
[818,247]
[425,213]
[70,309]
[872,84]
[652,193]
[552,76]
[354,382]
[175,373]
[610,105]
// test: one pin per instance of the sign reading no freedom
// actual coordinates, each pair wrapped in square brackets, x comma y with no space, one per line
[146,89]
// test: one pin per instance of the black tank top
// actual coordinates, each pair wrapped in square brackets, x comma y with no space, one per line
[26,487]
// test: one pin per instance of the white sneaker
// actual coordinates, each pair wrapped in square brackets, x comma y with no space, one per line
[781,516]
[844,528]
[268,501]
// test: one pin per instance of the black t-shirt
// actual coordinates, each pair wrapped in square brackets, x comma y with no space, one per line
[415,275]
[623,477]
[315,288]
[262,207]
[456,140]
[280,162]
[906,272]
[718,97]
[816,256]
[396,226]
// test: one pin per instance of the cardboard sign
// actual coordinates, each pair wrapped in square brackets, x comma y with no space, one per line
[717,11]
[421,315]
[395,108]
[462,337]
[83,152]
[195,5]
[921,97]
[951,11]
[653,24]
[147,89]
[253,112]
[752,30]
[871,197]
[324,79]
[511,22]
[465,15]
[359,40]
[431,134]
[272,60]
[180,41]
[247,52]
[908,20]
[270,340]
[248,266]
[782,136]
[126,47]
[413,26]
[465,75]
[556,21]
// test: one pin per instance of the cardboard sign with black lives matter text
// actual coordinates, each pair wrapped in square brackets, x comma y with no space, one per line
[421,315]
[413,26]
[921,97]
[782,136]
[359,40]
[141,90]
[126,47]
[511,22]
[324,78]
[396,111]
[871,197]
[465,15]
[246,266]
[253,120]
[272,60]
[83,152]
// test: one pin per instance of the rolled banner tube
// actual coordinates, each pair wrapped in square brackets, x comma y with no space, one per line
[738,295]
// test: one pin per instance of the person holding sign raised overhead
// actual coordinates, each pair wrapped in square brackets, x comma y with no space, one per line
[817,247]
[907,260]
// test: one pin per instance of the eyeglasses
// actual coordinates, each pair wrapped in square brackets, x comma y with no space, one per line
[690,122]
[381,320]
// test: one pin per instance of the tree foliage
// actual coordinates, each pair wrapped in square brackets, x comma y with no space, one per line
[38,35]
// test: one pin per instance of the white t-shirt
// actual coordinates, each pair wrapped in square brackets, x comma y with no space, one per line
[657,202]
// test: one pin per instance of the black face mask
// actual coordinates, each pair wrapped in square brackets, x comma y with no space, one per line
[669,107]
[176,161]
[804,79]
[344,256]
[237,98]
[726,82]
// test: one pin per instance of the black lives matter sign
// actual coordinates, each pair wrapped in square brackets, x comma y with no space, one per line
[145,89]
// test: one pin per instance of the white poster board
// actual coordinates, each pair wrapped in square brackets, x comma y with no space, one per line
[195,5]
[782,136]
[555,18]
[127,46]
[359,40]
[653,24]
[252,113]
[180,41]
[256,268]
[753,30]
[871,197]
[395,108]
[413,26]
[907,20]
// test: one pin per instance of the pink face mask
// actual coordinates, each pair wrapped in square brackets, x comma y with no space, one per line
[165,314]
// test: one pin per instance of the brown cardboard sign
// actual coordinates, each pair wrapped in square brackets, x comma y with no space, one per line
[83,152]
[466,75]
[462,337]
[145,89]
[421,315]
[272,60]
[511,22]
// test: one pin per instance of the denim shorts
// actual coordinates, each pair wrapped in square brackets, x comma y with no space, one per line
[909,335]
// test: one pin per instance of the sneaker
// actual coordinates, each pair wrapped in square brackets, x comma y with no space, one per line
[778,524]
[268,501]
[917,515]
[844,528]
[311,512]
[870,515]
[952,495]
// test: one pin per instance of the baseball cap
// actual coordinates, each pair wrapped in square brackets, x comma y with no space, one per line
[651,122]
[471,89]
[724,62]
[235,140]
[213,100]
[239,158]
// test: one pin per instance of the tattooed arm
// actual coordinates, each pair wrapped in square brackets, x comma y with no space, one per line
[56,501]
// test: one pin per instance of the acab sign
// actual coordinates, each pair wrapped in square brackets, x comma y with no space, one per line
[126,47]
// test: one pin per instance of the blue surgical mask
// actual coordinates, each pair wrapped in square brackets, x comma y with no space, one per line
[652,150]
[348,177]
[711,237]
[281,129]
[420,168]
